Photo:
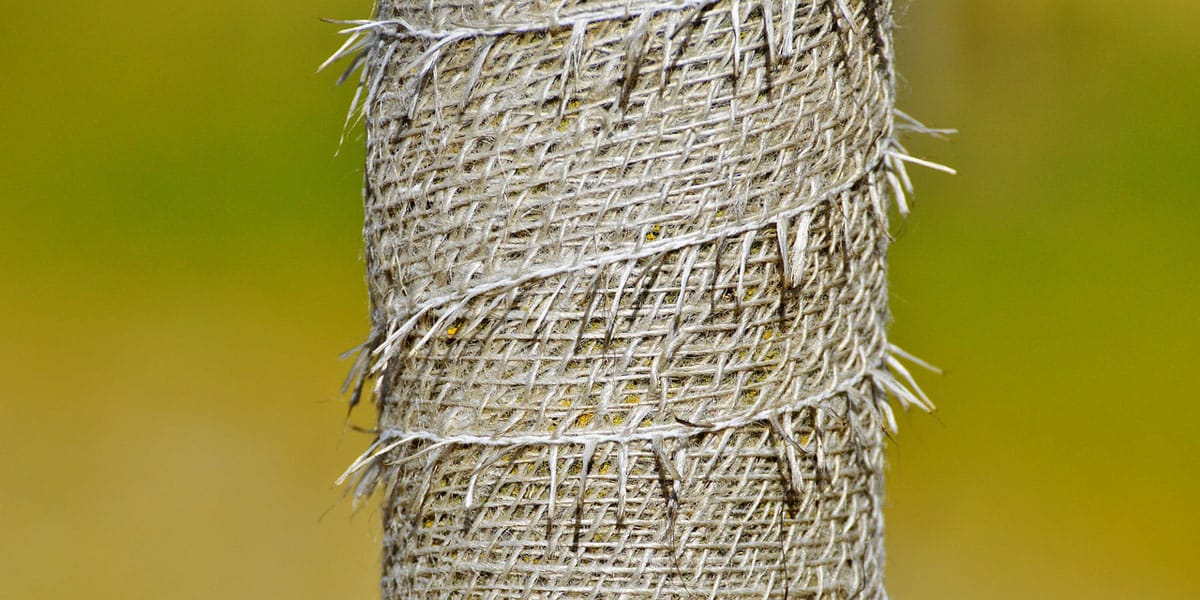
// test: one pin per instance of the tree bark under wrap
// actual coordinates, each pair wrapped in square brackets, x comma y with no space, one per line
[627,267]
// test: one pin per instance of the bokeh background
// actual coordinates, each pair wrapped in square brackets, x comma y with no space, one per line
[180,267]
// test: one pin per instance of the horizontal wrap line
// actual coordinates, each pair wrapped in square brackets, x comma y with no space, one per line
[459,299]
[389,439]
[551,21]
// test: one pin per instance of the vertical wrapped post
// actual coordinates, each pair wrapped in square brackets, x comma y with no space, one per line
[627,266]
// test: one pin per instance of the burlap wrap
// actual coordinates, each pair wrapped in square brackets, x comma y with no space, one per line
[627,266]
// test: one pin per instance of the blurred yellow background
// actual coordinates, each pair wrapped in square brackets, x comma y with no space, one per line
[180,267]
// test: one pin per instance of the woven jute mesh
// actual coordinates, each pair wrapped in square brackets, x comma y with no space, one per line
[627,268]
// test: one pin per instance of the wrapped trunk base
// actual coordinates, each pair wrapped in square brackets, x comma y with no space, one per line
[728,517]
[627,264]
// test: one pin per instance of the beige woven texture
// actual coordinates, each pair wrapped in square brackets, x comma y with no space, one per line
[627,266]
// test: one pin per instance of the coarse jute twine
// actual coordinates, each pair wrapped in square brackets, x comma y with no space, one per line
[627,263]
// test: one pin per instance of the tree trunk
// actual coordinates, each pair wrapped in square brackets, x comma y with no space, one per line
[627,266]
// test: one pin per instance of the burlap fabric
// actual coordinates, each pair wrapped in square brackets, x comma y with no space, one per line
[627,267]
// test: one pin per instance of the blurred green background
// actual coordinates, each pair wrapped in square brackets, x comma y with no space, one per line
[180,267]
